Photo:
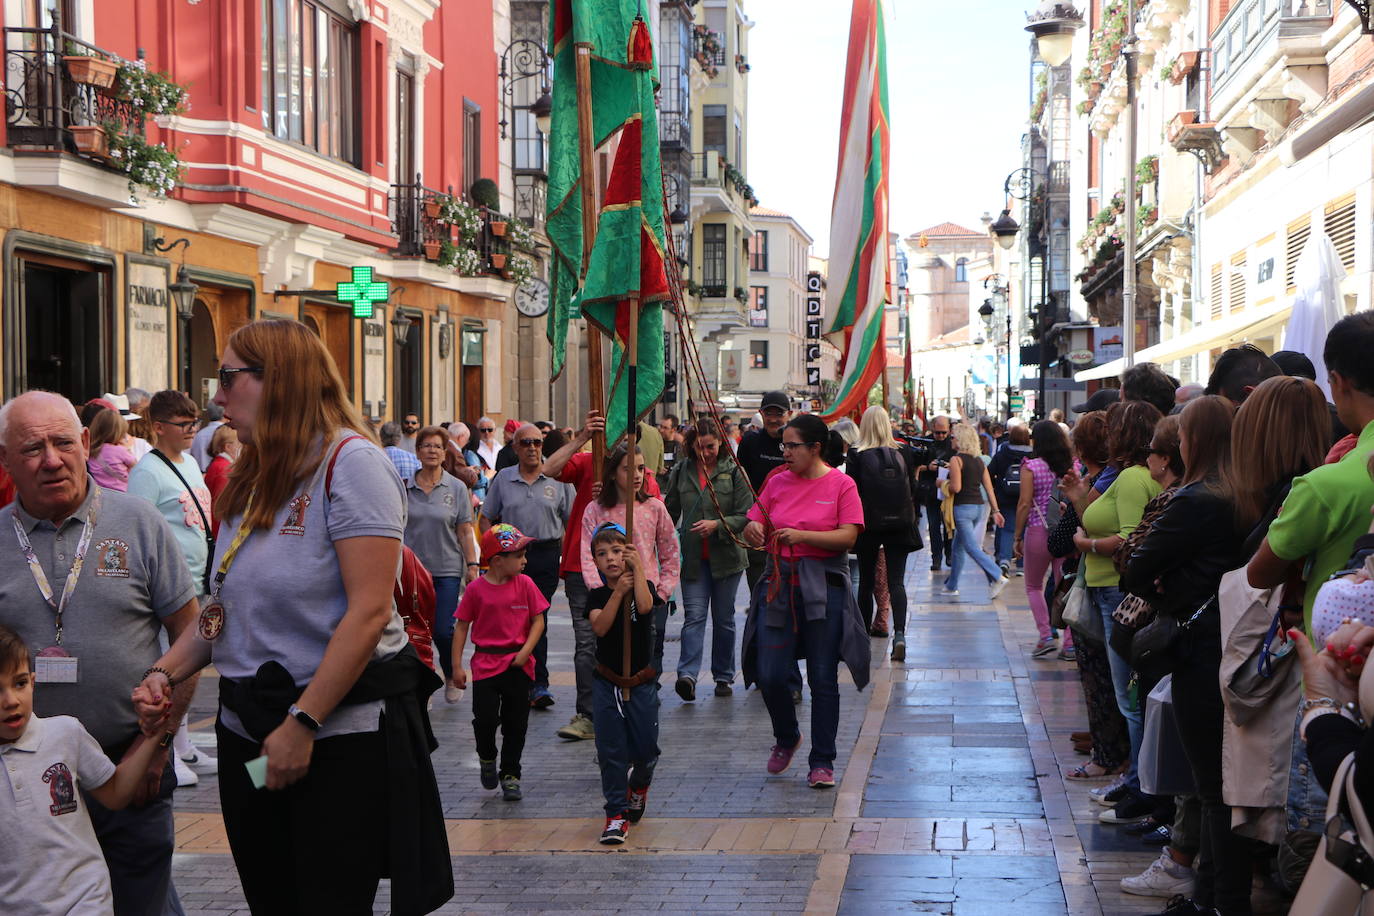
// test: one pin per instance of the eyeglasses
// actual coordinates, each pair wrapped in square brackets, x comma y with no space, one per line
[227,374]
[435,445]
[529,443]
[185,426]
[788,446]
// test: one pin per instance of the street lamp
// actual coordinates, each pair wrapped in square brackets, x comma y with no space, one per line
[400,328]
[1053,25]
[524,59]
[542,109]
[183,294]
[1004,230]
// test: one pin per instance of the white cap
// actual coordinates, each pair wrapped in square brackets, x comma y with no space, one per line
[121,404]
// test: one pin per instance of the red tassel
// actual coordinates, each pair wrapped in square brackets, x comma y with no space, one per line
[640,54]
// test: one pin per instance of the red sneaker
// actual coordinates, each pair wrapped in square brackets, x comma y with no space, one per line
[637,799]
[617,828]
[821,778]
[780,758]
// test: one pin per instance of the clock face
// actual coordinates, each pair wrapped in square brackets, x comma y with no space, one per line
[532,298]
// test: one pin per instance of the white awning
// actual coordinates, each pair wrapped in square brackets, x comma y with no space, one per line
[1222,332]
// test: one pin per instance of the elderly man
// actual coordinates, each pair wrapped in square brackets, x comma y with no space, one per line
[95,640]
[521,495]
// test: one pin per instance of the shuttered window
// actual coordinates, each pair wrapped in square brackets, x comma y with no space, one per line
[1298,232]
[1237,283]
[1340,226]
[1216,291]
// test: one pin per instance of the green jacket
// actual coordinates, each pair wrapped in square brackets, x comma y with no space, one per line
[688,503]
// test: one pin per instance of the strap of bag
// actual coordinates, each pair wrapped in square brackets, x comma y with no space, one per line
[205,522]
[329,470]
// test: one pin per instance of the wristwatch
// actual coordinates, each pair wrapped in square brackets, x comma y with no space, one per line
[303,717]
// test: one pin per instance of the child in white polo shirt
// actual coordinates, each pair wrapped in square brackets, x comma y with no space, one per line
[50,861]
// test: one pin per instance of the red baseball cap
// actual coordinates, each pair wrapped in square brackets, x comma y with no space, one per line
[511,426]
[502,539]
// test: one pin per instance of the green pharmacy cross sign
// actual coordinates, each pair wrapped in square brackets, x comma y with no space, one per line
[363,292]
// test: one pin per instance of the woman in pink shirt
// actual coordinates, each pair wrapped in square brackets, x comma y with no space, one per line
[807,518]
[110,462]
[655,536]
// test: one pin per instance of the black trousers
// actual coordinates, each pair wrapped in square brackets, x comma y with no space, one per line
[502,701]
[897,549]
[543,559]
[319,846]
[1223,867]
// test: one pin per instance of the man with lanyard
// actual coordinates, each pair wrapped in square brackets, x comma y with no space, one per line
[523,496]
[928,489]
[94,576]
[760,453]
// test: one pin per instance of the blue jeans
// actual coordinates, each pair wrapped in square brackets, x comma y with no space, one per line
[819,641]
[584,641]
[968,541]
[1306,797]
[718,596]
[1105,599]
[446,591]
[1003,538]
[626,738]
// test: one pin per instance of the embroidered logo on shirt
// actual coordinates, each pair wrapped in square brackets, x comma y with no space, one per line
[112,558]
[295,516]
[448,500]
[62,788]
[549,491]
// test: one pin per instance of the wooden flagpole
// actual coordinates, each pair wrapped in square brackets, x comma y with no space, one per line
[631,441]
[586,154]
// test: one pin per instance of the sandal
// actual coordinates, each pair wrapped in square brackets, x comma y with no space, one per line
[1081,736]
[1089,770]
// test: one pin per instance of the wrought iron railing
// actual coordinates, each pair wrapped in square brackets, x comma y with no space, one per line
[42,100]
[415,223]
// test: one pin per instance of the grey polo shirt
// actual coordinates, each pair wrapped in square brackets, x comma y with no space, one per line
[538,509]
[134,577]
[432,520]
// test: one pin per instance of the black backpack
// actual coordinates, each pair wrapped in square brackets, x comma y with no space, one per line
[1011,478]
[885,490]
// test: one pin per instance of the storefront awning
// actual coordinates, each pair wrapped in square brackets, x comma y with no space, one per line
[1223,332]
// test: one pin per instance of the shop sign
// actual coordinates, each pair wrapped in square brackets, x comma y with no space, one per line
[1108,344]
[148,325]
[731,368]
[1080,357]
[374,363]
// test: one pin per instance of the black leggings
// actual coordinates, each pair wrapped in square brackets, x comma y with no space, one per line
[866,550]
[502,701]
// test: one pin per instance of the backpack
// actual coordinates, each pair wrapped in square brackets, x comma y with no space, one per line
[1011,477]
[885,490]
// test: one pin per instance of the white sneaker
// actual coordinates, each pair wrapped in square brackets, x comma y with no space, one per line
[185,775]
[1164,878]
[996,588]
[949,592]
[201,762]
[1099,795]
[452,694]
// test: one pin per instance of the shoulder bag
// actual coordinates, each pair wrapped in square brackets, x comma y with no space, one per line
[209,531]
[1336,880]
[1079,612]
[1134,612]
[1152,648]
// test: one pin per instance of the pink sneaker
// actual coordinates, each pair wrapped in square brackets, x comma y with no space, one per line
[780,758]
[821,778]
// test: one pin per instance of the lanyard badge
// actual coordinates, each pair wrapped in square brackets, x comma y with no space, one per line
[54,664]
[212,617]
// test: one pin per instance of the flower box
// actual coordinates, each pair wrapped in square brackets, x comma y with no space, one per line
[91,140]
[498,227]
[498,261]
[1185,63]
[433,207]
[91,71]
[1180,121]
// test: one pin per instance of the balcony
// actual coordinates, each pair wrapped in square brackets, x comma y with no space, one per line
[718,188]
[476,259]
[1269,51]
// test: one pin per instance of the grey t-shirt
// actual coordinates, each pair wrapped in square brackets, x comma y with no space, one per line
[538,509]
[134,576]
[284,594]
[431,524]
[50,860]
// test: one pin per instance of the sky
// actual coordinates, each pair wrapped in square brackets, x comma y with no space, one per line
[958,98]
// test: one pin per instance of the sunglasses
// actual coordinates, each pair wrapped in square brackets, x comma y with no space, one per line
[529,443]
[486,429]
[227,375]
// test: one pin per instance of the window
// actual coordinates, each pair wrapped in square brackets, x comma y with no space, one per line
[1237,283]
[758,251]
[405,125]
[758,306]
[713,250]
[1340,226]
[309,77]
[472,143]
[713,126]
[1298,232]
[961,270]
[758,354]
[1214,297]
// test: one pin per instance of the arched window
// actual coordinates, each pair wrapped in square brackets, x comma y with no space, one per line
[961,270]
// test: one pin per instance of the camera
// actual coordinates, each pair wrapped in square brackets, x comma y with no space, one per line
[923,446]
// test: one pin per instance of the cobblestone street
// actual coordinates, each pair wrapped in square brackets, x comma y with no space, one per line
[950,798]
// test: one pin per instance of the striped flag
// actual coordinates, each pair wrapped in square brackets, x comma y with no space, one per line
[859,284]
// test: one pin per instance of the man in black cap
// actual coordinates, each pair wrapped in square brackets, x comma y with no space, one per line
[1101,399]
[760,451]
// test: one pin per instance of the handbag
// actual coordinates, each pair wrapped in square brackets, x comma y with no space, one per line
[1163,766]
[1152,648]
[1059,539]
[1335,881]
[1130,616]
[1058,599]
[1080,614]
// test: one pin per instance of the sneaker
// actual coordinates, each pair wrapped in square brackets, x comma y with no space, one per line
[201,763]
[948,592]
[996,588]
[899,648]
[1018,571]
[617,828]
[541,698]
[487,769]
[1181,906]
[1044,647]
[686,688]
[452,694]
[1107,796]
[796,698]
[877,633]
[780,758]
[185,775]
[579,729]
[638,799]
[1068,655]
[1006,569]
[1164,878]
[510,788]
[821,778]
[723,689]
[1162,835]
[1131,808]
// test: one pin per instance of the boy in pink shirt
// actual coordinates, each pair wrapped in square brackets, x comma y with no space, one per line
[503,609]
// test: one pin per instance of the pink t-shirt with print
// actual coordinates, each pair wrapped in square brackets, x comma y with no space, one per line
[821,504]
[500,615]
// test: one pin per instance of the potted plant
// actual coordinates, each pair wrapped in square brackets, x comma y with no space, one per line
[519,269]
[520,235]
[91,71]
[1180,122]
[150,167]
[90,139]
[433,249]
[1147,170]
[498,227]
[498,260]
[150,92]
[462,215]
[485,193]
[433,207]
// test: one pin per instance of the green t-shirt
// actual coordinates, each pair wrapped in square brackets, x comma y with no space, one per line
[1117,512]
[1327,509]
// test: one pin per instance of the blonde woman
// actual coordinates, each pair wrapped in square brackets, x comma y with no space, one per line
[970,485]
